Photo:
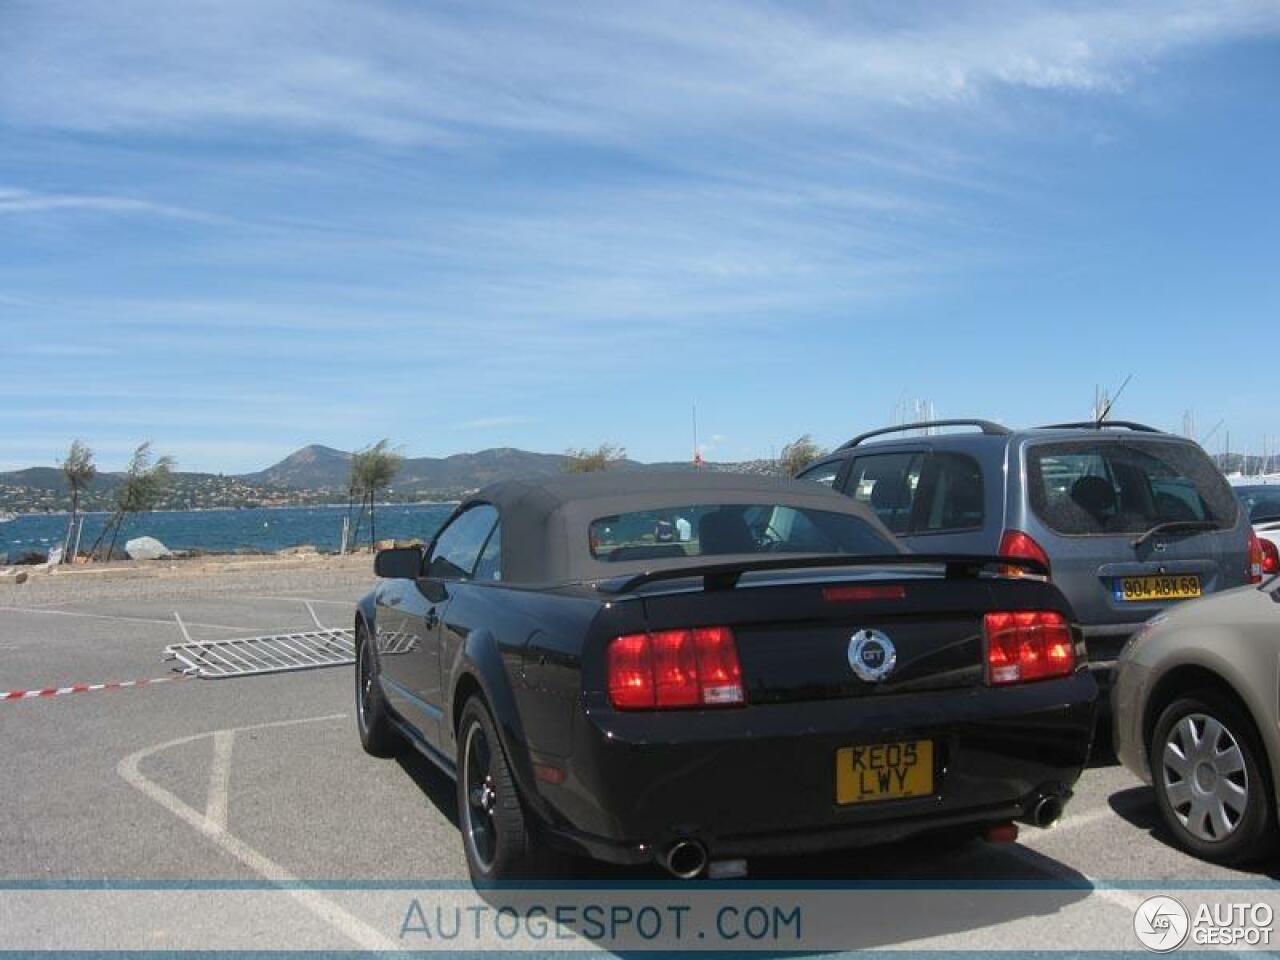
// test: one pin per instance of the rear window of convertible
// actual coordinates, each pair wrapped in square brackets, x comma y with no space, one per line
[1125,487]
[708,530]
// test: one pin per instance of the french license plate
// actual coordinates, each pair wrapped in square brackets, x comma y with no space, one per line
[884,771]
[1142,589]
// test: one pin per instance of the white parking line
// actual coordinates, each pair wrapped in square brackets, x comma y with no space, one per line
[215,809]
[1123,899]
[340,603]
[331,913]
[103,616]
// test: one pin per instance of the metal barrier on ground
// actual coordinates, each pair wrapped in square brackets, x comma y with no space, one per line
[272,653]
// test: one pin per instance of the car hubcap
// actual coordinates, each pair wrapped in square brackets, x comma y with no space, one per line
[1204,777]
[482,797]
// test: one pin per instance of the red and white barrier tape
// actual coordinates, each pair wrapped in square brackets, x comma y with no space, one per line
[83,688]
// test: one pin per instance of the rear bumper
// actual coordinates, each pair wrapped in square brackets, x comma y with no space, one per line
[761,780]
[1128,700]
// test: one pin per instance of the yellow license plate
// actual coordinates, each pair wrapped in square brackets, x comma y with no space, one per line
[1140,589]
[884,771]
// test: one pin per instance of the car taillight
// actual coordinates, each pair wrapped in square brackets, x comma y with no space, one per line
[1024,645]
[1015,543]
[1270,556]
[1257,558]
[631,672]
[675,668]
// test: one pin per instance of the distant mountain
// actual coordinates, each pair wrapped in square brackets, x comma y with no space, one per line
[468,471]
[51,480]
[314,467]
[318,474]
[44,489]
[323,468]
[317,467]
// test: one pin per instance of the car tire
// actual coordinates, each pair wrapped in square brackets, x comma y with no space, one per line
[378,734]
[1211,781]
[496,834]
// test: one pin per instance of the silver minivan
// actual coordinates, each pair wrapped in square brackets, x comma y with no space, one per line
[1128,519]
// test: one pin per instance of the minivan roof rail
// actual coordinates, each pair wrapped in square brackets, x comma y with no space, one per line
[986,426]
[1100,424]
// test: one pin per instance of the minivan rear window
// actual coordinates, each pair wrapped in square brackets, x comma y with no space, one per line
[1125,486]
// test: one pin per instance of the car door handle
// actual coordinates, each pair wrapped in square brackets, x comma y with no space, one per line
[432,619]
[393,601]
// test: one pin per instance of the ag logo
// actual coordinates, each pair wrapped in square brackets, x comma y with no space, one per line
[872,655]
[1161,924]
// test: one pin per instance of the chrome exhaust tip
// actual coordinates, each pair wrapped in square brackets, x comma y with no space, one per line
[685,859]
[1046,811]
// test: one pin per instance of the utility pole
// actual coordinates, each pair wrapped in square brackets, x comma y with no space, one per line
[697,453]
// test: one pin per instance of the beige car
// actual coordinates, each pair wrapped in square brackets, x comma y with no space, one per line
[1195,711]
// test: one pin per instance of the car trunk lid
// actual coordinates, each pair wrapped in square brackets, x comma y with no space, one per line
[802,637]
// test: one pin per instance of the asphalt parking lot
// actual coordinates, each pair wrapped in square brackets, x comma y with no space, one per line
[262,780]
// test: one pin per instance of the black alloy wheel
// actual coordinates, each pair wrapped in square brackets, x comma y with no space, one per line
[377,733]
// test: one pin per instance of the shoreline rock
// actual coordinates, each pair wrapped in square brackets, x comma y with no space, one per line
[145,548]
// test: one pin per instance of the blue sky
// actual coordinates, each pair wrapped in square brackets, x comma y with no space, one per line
[236,227]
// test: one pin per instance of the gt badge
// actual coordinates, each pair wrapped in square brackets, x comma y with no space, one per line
[872,655]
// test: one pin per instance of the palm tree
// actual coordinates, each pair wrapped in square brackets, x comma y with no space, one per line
[382,463]
[144,484]
[79,470]
[798,454]
[372,469]
[355,485]
[593,461]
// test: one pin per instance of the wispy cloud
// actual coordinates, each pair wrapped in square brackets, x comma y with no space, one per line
[448,74]
[15,201]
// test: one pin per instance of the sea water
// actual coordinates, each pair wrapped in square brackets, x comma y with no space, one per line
[259,530]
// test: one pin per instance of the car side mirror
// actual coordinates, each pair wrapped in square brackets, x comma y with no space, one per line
[398,563]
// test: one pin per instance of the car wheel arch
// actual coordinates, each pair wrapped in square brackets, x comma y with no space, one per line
[1187,678]
[472,683]
[1177,681]
[480,668]
[365,613]
[363,622]
[466,688]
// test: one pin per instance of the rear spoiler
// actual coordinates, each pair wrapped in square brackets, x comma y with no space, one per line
[725,576]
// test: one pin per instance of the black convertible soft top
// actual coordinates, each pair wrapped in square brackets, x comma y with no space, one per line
[545,520]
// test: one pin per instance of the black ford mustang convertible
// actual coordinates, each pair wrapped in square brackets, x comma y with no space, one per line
[699,668]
